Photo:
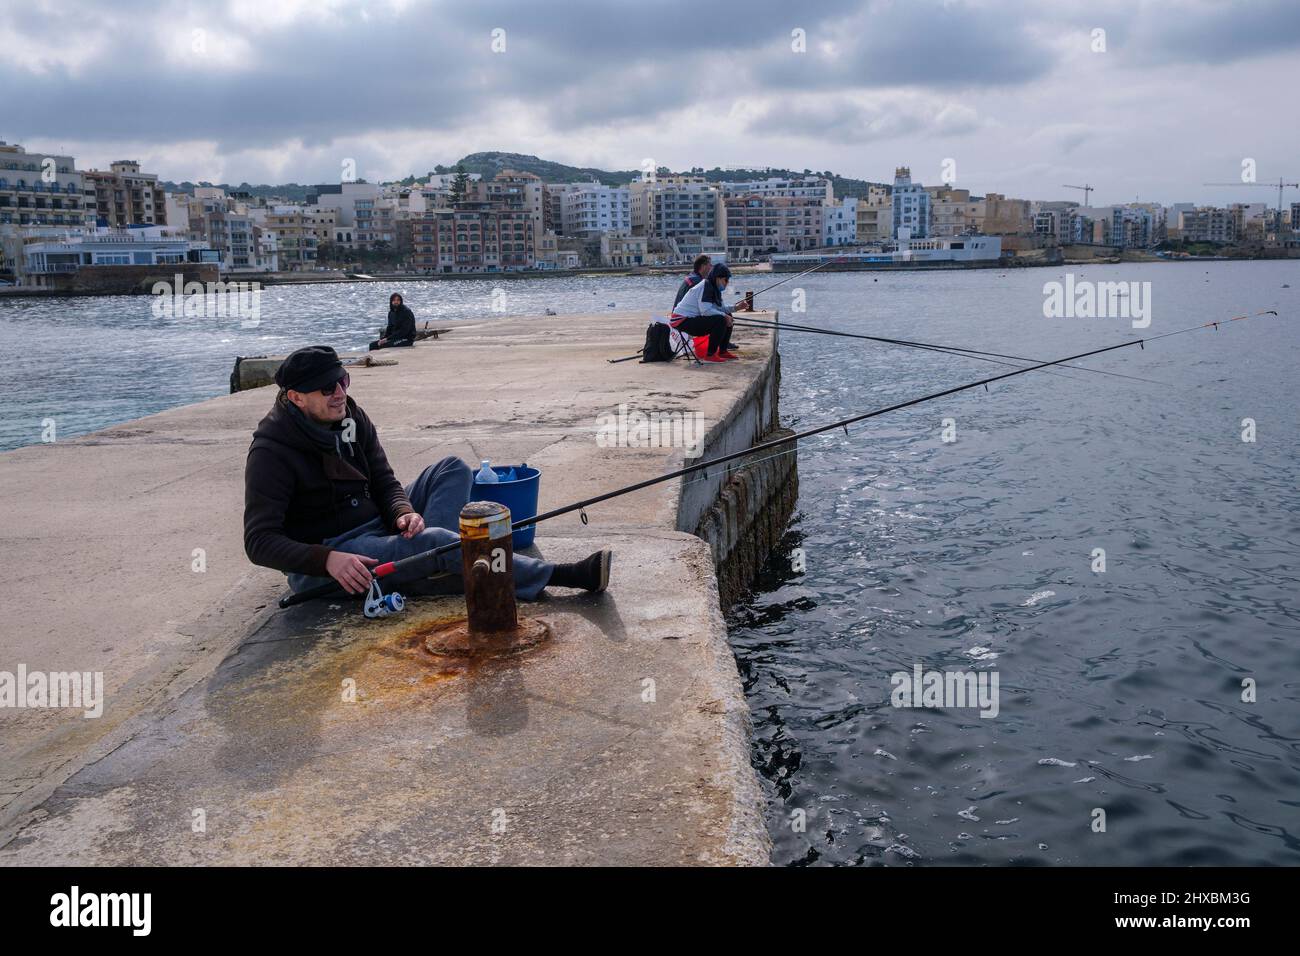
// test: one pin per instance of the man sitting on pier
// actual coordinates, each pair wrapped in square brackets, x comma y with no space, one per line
[321,501]
[699,272]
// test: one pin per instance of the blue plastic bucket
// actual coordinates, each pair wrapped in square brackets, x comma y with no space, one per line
[520,496]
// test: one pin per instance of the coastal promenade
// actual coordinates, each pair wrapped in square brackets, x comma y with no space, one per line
[235,733]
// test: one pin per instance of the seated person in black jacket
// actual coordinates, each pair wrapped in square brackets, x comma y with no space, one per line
[401,325]
[699,272]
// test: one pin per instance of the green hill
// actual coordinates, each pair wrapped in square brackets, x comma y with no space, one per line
[489,164]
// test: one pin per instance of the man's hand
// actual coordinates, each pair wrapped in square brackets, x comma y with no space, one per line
[410,524]
[351,571]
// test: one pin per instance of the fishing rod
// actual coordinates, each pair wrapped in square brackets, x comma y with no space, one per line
[822,265]
[421,561]
[950,349]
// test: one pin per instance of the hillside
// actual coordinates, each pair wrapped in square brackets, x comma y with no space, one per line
[488,164]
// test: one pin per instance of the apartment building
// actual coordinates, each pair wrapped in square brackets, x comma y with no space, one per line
[295,236]
[804,187]
[758,225]
[840,222]
[875,215]
[41,189]
[517,191]
[1251,220]
[1207,224]
[589,209]
[675,207]
[954,212]
[911,206]
[473,237]
[124,196]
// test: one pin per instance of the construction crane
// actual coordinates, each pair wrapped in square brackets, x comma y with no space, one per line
[1280,184]
[1087,191]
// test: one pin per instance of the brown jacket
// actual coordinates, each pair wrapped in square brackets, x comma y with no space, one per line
[296,495]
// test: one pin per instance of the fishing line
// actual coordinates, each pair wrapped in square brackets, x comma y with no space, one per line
[950,349]
[419,561]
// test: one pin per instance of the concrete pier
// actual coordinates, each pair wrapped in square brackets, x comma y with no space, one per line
[233,732]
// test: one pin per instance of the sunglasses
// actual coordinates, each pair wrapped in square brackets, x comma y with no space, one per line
[345,381]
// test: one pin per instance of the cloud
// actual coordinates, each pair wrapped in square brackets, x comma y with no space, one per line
[288,88]
[854,118]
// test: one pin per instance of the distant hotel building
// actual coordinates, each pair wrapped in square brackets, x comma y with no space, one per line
[40,189]
[124,196]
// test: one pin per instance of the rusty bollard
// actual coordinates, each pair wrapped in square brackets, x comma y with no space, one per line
[749,301]
[488,561]
[492,626]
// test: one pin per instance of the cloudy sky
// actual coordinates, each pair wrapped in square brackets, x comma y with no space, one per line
[1021,96]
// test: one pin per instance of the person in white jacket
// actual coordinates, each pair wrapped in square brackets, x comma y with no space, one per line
[701,312]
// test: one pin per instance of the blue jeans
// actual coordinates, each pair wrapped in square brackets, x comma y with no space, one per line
[438,495]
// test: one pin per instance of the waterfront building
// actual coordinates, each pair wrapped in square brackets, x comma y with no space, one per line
[677,207]
[41,189]
[840,222]
[1135,225]
[759,225]
[875,215]
[803,187]
[588,209]
[124,196]
[954,212]
[973,250]
[324,222]
[1251,220]
[108,259]
[516,191]
[622,249]
[473,237]
[1007,217]
[295,234]
[911,206]
[1207,224]
[214,218]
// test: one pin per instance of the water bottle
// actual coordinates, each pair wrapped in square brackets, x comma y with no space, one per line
[486,476]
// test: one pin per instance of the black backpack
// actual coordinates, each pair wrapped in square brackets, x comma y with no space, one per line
[658,343]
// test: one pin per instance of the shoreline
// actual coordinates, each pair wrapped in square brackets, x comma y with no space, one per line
[268,280]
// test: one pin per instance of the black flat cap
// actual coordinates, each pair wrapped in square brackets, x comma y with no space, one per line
[310,368]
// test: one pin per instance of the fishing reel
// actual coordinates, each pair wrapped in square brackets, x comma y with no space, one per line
[379,604]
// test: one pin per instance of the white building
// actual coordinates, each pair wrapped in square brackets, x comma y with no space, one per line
[804,187]
[42,189]
[51,256]
[840,223]
[591,208]
[911,206]
[984,249]
[677,207]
